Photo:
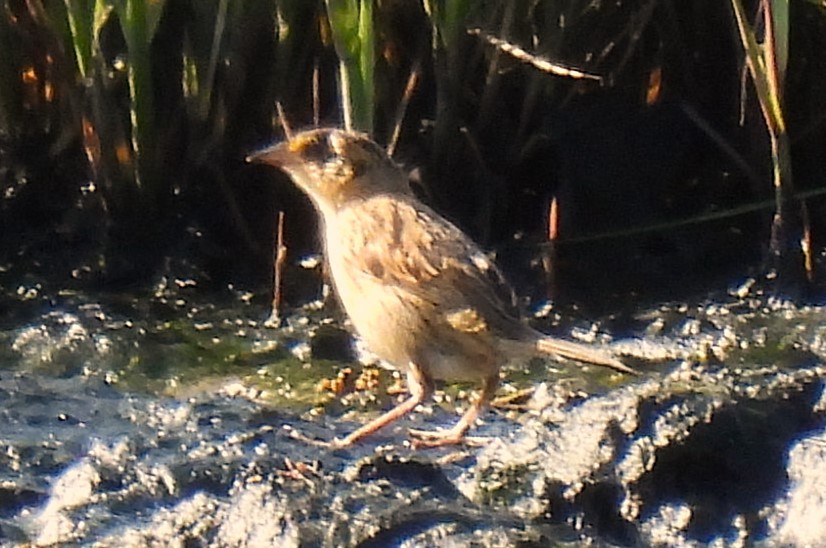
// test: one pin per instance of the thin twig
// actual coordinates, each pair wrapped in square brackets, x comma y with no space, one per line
[806,242]
[316,94]
[553,220]
[548,255]
[279,259]
[282,118]
[412,82]
[541,63]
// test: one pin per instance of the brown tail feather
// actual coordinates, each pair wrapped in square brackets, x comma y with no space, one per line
[574,351]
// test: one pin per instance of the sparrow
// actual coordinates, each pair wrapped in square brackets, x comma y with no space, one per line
[423,296]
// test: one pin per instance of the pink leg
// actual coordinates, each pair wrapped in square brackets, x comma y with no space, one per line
[420,386]
[457,433]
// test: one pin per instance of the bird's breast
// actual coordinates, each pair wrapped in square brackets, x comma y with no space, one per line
[386,318]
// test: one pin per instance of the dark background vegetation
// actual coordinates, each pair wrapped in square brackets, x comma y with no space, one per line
[124,127]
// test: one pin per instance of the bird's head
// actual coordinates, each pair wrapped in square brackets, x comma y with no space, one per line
[335,167]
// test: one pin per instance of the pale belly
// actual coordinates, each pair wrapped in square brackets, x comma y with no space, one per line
[382,318]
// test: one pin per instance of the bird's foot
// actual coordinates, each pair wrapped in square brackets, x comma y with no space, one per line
[440,438]
[303,438]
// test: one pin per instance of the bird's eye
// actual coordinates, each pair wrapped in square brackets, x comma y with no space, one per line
[317,151]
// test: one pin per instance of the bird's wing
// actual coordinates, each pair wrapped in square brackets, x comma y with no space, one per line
[400,242]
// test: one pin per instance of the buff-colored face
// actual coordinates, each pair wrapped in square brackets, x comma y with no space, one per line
[334,166]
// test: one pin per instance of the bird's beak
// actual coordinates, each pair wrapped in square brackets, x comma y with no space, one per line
[276,155]
[286,154]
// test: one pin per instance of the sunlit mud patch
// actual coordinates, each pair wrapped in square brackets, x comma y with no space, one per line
[168,420]
[702,451]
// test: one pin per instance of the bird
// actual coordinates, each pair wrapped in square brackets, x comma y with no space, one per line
[422,295]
